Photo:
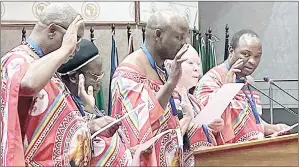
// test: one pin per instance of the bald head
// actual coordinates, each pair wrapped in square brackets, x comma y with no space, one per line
[165,19]
[166,33]
[58,13]
[52,25]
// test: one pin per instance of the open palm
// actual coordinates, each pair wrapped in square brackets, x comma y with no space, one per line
[86,97]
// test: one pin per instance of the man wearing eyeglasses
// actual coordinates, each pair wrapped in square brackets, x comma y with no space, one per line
[41,124]
[84,72]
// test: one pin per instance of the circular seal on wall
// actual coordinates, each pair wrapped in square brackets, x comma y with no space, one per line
[90,10]
[188,15]
[173,8]
[38,7]
[132,10]
[153,7]
[2,9]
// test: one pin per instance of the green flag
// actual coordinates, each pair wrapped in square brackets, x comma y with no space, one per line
[208,55]
[100,95]
[195,42]
[203,55]
[212,55]
[100,99]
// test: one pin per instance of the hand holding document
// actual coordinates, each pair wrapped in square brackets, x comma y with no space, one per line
[144,146]
[118,120]
[216,106]
[283,132]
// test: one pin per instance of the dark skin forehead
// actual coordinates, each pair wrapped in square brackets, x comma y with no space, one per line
[167,19]
[250,43]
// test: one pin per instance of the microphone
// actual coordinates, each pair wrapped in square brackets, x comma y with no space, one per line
[287,109]
[270,81]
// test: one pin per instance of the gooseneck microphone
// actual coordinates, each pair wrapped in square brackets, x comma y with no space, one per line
[287,109]
[270,81]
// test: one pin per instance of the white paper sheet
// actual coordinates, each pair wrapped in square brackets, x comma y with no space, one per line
[216,106]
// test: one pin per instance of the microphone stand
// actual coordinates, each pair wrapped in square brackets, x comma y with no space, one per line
[272,83]
[289,110]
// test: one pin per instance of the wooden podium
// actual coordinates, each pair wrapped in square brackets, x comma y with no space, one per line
[279,151]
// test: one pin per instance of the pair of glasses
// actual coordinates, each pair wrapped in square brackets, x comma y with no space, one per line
[61,26]
[97,78]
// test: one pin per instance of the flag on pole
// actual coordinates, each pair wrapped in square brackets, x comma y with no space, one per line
[100,95]
[203,55]
[208,56]
[100,99]
[196,43]
[131,45]
[114,64]
[212,56]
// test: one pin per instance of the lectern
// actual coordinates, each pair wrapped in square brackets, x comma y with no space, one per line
[278,151]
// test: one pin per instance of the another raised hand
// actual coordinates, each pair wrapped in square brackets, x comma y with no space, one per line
[231,74]
[86,97]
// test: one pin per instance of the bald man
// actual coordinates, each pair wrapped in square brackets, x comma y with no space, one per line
[38,115]
[140,84]
[242,121]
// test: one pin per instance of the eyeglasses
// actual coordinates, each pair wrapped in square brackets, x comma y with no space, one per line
[97,78]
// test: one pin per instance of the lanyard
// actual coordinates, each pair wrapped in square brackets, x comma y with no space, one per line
[204,127]
[79,104]
[251,100]
[252,104]
[162,75]
[35,47]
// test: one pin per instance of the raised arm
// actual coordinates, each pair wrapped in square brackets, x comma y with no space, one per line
[175,74]
[40,71]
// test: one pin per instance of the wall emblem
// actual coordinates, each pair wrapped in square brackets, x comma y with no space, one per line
[90,10]
[132,10]
[153,7]
[173,8]
[188,15]
[38,7]
[2,9]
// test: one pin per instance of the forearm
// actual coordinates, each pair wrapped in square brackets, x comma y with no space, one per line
[164,94]
[40,72]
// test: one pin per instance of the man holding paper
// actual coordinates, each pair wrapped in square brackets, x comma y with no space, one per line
[242,121]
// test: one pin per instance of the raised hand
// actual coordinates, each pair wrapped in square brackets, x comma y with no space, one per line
[70,40]
[185,103]
[231,74]
[176,68]
[86,97]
